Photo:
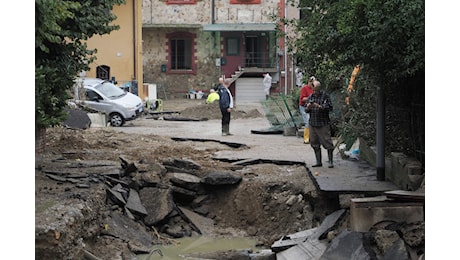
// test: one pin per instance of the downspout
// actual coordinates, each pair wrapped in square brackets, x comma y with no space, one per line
[213,33]
[285,51]
[213,18]
[293,75]
[135,44]
[380,133]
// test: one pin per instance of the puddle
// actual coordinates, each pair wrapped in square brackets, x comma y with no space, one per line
[188,245]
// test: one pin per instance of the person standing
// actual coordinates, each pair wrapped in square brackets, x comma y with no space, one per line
[219,85]
[319,105]
[213,96]
[267,82]
[298,77]
[226,106]
[305,92]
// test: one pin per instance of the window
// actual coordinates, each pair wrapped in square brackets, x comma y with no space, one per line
[181,57]
[103,72]
[181,54]
[181,2]
[244,1]
[233,46]
[92,96]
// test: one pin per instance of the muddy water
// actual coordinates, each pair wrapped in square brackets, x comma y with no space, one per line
[190,245]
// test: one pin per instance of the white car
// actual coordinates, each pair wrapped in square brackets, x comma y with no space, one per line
[103,96]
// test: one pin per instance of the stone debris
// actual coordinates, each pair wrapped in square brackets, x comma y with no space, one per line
[141,195]
[382,243]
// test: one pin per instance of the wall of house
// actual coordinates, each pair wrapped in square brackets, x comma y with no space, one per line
[160,18]
[245,13]
[159,12]
[177,85]
[121,50]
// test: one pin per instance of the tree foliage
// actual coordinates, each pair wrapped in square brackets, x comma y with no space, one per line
[387,39]
[61,29]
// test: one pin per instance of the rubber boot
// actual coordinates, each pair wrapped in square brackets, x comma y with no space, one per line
[330,153]
[223,130]
[318,157]
[306,136]
[226,130]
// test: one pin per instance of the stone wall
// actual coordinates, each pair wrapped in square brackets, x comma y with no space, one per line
[160,18]
[177,85]
[405,172]
[159,12]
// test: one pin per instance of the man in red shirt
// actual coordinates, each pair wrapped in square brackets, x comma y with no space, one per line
[305,92]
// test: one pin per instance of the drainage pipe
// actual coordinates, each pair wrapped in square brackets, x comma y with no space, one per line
[380,133]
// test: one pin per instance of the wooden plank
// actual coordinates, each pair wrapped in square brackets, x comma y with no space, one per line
[405,195]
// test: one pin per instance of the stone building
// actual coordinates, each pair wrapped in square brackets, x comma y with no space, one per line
[188,44]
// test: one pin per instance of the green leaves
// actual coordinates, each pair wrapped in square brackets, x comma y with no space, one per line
[387,38]
[61,27]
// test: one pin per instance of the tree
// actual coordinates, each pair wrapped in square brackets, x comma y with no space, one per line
[387,39]
[61,29]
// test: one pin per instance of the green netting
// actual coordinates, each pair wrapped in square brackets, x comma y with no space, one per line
[281,113]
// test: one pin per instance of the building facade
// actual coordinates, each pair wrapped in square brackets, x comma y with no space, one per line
[119,54]
[188,44]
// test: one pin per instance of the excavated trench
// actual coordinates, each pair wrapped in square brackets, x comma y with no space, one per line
[187,188]
[259,200]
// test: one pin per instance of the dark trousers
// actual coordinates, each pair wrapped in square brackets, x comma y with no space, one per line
[225,117]
[321,136]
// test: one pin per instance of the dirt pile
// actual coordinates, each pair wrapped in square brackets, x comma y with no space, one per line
[212,111]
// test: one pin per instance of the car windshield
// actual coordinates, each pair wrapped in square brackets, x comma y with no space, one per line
[110,90]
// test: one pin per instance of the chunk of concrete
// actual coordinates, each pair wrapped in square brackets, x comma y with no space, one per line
[158,202]
[134,203]
[77,119]
[116,195]
[202,225]
[183,164]
[396,251]
[221,178]
[186,181]
[182,194]
[291,240]
[347,245]
[117,225]
[312,249]
[98,119]
[327,225]
[366,212]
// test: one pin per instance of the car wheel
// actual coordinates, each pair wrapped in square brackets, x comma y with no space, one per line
[116,120]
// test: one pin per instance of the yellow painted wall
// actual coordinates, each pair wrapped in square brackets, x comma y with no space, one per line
[121,50]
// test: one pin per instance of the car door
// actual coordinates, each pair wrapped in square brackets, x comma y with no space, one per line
[97,102]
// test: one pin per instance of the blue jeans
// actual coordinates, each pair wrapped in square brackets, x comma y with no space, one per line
[305,116]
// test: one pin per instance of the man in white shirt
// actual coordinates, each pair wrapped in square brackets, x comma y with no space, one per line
[298,78]
[267,84]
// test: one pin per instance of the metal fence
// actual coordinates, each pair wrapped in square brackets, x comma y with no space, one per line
[281,112]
